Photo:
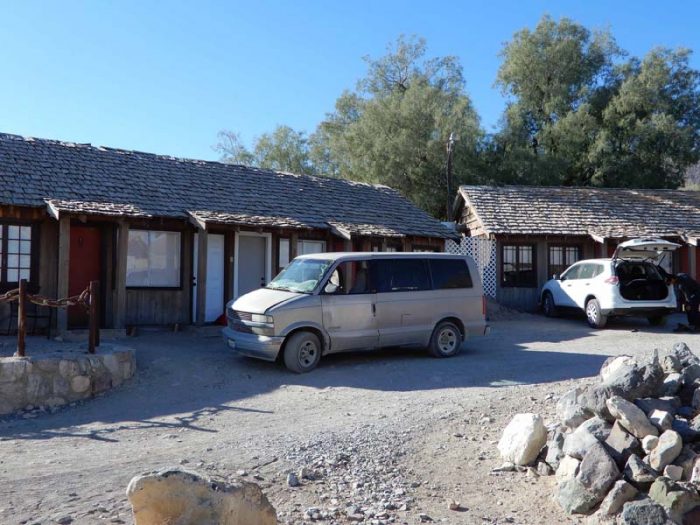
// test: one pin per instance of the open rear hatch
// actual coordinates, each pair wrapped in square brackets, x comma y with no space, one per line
[636,266]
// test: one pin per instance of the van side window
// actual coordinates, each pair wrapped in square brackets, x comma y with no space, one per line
[351,278]
[450,273]
[401,275]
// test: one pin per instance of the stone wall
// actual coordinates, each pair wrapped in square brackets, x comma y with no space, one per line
[58,378]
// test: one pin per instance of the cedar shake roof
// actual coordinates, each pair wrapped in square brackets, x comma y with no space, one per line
[84,179]
[602,212]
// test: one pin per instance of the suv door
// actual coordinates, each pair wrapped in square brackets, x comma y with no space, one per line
[565,292]
[348,305]
[583,287]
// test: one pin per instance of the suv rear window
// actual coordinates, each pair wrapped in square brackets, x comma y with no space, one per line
[450,273]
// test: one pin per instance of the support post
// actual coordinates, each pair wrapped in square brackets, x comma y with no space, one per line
[202,238]
[94,337]
[692,261]
[120,275]
[63,271]
[293,246]
[21,317]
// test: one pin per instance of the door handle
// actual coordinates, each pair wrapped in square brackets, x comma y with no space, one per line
[374,309]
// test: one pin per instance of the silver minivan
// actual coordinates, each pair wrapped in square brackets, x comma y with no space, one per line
[325,303]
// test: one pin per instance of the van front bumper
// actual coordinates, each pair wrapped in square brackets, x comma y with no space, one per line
[252,345]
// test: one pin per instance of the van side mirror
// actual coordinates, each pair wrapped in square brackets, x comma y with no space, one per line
[330,288]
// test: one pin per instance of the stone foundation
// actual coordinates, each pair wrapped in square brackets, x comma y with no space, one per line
[58,378]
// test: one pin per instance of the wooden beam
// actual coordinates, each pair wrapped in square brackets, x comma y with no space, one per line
[692,261]
[202,242]
[293,246]
[63,271]
[120,275]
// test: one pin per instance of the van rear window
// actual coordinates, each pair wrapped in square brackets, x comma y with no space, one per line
[450,273]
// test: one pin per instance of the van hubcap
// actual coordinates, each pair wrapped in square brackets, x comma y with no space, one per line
[447,340]
[307,354]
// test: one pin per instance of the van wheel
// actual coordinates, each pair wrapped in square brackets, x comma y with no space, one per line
[549,308]
[302,352]
[657,320]
[594,316]
[446,340]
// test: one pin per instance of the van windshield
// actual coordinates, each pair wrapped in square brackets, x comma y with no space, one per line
[302,275]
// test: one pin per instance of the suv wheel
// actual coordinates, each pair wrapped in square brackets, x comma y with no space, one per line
[549,308]
[446,340]
[594,315]
[302,352]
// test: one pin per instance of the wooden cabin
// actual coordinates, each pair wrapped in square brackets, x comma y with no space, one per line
[540,231]
[172,240]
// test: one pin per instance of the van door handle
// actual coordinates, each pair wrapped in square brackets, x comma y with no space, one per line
[374,309]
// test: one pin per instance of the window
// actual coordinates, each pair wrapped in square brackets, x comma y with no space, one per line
[284,253]
[350,278]
[561,257]
[401,275]
[450,273]
[518,266]
[153,259]
[572,273]
[15,253]
[305,247]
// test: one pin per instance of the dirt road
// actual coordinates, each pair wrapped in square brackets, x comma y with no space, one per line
[421,431]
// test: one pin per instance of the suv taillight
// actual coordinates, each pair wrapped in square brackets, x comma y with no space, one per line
[612,280]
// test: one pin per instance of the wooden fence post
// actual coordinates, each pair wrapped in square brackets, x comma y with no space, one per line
[21,317]
[94,336]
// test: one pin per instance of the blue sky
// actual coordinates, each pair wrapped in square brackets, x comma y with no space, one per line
[166,76]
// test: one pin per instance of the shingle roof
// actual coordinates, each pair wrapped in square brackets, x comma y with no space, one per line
[81,178]
[605,212]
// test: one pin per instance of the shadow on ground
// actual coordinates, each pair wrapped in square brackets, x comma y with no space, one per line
[185,378]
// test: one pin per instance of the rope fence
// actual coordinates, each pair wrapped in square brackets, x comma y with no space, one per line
[88,299]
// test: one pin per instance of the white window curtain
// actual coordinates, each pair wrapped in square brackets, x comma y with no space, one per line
[305,247]
[153,259]
[284,253]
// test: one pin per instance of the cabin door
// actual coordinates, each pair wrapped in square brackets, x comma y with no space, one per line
[214,304]
[84,266]
[252,262]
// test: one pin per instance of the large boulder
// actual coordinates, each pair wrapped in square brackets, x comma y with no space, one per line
[523,439]
[676,498]
[620,494]
[621,444]
[574,498]
[631,417]
[666,450]
[597,471]
[555,449]
[578,442]
[639,473]
[570,411]
[598,427]
[634,378]
[176,496]
[643,512]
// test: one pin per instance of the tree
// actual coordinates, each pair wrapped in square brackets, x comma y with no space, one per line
[394,127]
[283,150]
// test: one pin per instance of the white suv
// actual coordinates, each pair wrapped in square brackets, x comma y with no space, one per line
[631,283]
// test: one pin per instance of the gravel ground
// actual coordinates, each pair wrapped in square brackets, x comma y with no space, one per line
[384,437]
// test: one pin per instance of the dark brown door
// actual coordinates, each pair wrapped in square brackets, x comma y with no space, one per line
[84,267]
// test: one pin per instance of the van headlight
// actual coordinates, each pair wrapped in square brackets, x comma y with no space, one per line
[261,318]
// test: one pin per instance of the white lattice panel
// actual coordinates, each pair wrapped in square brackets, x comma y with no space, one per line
[483,251]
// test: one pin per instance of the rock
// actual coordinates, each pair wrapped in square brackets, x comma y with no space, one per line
[594,399]
[631,417]
[661,419]
[673,472]
[613,365]
[643,512]
[671,364]
[686,412]
[649,443]
[180,496]
[686,460]
[568,468]
[293,480]
[620,494]
[668,448]
[695,472]
[621,444]
[685,429]
[543,469]
[598,427]
[683,354]
[639,473]
[555,449]
[677,499]
[696,399]
[570,411]
[691,373]
[649,404]
[597,471]
[635,378]
[578,442]
[574,498]
[454,505]
[80,384]
[523,439]
[672,384]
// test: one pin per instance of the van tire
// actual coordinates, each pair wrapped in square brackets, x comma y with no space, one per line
[594,315]
[549,307]
[446,340]
[302,352]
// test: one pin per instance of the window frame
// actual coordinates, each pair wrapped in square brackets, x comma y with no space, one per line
[519,284]
[33,281]
[579,257]
[301,241]
[181,273]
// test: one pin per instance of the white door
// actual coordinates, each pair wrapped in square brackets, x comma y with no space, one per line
[214,305]
[564,294]
[252,262]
